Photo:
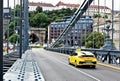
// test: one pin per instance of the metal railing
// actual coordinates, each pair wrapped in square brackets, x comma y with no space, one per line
[107,56]
[9,59]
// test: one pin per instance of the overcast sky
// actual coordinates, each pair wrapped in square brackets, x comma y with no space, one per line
[54,2]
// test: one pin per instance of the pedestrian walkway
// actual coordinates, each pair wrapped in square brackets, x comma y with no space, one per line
[25,69]
[117,67]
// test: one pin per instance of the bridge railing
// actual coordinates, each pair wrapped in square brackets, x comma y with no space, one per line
[107,56]
[9,59]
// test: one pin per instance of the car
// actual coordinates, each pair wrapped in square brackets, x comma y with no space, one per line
[5,48]
[82,58]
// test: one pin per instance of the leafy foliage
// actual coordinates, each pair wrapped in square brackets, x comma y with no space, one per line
[39,9]
[14,38]
[42,19]
[105,16]
[11,29]
[96,39]
[97,16]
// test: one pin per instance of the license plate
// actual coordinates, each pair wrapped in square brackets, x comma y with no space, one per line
[88,62]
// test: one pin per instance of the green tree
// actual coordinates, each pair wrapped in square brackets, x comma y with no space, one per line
[39,9]
[68,11]
[74,10]
[11,29]
[59,14]
[99,16]
[14,38]
[41,20]
[32,22]
[105,16]
[98,40]
[17,10]
[95,15]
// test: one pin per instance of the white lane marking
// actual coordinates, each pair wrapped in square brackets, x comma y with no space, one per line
[76,69]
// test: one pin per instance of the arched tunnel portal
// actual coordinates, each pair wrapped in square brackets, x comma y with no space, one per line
[37,35]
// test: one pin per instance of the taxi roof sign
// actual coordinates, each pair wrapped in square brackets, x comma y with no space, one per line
[78,50]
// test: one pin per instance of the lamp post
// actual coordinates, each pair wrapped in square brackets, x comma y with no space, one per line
[119,26]
[112,17]
[1,40]
[8,37]
[8,31]
[107,43]
[98,14]
[108,23]
[20,29]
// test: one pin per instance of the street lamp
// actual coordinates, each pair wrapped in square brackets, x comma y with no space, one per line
[119,26]
[107,43]
[108,23]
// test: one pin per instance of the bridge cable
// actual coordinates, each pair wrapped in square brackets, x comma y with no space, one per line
[74,19]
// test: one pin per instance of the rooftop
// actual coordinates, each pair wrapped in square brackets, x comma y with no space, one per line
[60,3]
[67,4]
[40,4]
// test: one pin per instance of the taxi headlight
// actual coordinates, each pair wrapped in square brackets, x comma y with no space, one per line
[94,59]
[94,62]
[81,62]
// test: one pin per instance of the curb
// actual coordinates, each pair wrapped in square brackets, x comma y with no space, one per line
[102,64]
[110,66]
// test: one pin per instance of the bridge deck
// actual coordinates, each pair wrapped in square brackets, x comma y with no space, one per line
[25,69]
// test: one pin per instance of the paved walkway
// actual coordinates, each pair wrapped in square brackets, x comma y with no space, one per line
[25,69]
[110,65]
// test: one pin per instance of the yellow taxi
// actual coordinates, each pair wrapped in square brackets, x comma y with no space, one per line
[82,58]
[5,49]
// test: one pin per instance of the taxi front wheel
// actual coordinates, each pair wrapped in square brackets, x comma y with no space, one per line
[93,66]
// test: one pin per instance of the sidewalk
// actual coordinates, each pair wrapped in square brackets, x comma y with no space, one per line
[110,65]
[25,69]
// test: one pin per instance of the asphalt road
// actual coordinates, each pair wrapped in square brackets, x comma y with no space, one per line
[54,67]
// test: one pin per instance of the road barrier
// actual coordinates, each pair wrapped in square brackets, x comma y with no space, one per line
[9,59]
[107,56]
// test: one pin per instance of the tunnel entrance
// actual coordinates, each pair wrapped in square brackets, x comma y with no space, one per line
[33,38]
